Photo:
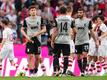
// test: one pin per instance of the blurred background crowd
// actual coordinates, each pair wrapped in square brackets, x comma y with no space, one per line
[17,11]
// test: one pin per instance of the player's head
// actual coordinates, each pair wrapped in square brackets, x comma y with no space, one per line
[100,19]
[4,22]
[94,19]
[63,10]
[80,13]
[69,11]
[32,10]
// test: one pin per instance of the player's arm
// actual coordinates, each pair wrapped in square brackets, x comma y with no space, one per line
[103,35]
[93,34]
[54,33]
[104,30]
[4,38]
[3,41]
[72,34]
[23,31]
[74,30]
[43,30]
[53,36]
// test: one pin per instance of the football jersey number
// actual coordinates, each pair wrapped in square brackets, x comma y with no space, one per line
[63,27]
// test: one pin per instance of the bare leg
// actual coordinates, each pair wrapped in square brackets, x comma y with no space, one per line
[37,61]
[30,61]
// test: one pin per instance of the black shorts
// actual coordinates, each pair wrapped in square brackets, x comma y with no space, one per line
[64,48]
[82,48]
[33,48]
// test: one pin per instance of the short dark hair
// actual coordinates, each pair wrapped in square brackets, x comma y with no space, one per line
[63,10]
[81,9]
[31,7]
[101,17]
[94,18]
[5,20]
[69,9]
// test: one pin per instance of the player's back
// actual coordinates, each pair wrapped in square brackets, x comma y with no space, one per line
[64,25]
[8,36]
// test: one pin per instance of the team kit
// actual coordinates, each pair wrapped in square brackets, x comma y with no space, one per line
[81,37]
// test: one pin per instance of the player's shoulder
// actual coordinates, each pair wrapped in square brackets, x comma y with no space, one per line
[64,17]
[38,17]
[87,19]
[103,25]
[27,18]
[58,17]
[69,17]
[7,30]
[76,20]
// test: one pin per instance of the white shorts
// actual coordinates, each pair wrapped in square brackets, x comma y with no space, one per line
[93,51]
[7,51]
[72,46]
[103,49]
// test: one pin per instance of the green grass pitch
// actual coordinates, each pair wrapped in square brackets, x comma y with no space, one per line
[56,78]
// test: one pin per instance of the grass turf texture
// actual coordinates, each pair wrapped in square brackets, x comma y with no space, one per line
[56,78]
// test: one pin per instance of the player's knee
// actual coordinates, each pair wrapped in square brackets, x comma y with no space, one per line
[101,58]
[89,58]
[84,54]
[30,55]
[40,60]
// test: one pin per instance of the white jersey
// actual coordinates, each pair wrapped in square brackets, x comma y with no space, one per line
[93,51]
[103,28]
[8,35]
[102,51]
[7,50]
[93,26]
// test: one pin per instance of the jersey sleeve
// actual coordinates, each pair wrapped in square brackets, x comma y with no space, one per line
[24,24]
[90,25]
[5,34]
[103,28]
[73,24]
[42,22]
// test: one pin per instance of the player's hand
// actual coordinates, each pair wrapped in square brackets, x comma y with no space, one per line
[52,44]
[29,40]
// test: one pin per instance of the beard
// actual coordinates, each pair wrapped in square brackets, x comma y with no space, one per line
[80,16]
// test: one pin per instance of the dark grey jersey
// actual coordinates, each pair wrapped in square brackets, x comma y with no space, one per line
[82,26]
[63,23]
